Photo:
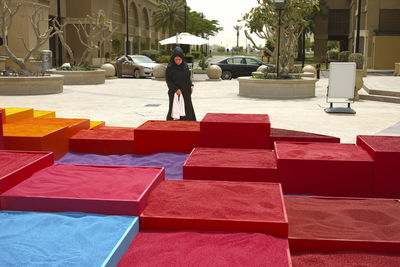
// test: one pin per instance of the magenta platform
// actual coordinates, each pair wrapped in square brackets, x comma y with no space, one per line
[106,190]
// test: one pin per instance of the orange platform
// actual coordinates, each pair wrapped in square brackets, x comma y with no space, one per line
[44,114]
[97,124]
[15,114]
[74,125]
[31,137]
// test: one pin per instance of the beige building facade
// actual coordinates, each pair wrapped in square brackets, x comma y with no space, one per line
[141,34]
[379,30]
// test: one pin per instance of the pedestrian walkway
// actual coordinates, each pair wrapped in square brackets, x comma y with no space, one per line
[131,102]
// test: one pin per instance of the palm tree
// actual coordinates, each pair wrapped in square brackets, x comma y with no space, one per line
[170,14]
[237,28]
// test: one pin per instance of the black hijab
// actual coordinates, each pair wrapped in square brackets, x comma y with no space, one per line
[178,52]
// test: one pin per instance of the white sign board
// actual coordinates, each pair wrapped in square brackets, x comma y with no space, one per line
[342,79]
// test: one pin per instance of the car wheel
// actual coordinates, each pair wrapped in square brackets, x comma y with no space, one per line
[226,75]
[136,73]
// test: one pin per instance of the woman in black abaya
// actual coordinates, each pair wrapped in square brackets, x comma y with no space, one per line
[179,82]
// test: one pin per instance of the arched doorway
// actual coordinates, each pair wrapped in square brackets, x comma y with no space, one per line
[118,21]
[145,30]
[133,20]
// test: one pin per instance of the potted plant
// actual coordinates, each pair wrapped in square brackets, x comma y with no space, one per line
[359,60]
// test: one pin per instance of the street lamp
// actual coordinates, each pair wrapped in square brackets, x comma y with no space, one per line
[279,5]
[127,46]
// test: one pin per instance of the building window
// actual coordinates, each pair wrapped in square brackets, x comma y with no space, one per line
[338,22]
[389,21]
[1,41]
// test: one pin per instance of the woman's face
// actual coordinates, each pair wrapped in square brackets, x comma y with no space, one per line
[178,60]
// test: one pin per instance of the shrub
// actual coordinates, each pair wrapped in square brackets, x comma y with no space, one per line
[153,54]
[344,56]
[116,45]
[358,59]
[163,59]
[333,54]
[203,63]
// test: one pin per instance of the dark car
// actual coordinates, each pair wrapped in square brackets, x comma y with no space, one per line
[233,67]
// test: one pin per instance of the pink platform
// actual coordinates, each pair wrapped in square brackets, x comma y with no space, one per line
[343,224]
[385,150]
[84,188]
[231,164]
[16,166]
[327,169]
[166,136]
[285,135]
[235,130]
[215,205]
[104,141]
[161,249]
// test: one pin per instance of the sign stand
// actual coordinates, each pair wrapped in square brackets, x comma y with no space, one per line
[342,78]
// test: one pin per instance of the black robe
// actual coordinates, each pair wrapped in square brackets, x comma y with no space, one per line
[178,77]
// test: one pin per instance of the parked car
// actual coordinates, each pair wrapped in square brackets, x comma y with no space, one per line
[135,65]
[236,66]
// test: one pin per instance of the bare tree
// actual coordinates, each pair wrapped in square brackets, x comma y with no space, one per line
[92,35]
[6,19]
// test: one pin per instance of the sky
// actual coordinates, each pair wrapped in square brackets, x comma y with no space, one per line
[227,12]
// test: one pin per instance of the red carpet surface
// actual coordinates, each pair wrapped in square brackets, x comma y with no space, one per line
[231,164]
[386,152]
[183,249]
[105,141]
[166,136]
[285,135]
[327,169]
[82,188]
[343,224]
[16,166]
[215,205]
[347,259]
[235,130]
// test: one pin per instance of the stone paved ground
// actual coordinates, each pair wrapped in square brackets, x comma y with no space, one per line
[130,102]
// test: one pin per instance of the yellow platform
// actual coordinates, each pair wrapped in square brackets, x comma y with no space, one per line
[97,124]
[15,114]
[44,114]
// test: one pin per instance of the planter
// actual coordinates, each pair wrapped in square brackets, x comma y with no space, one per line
[276,89]
[81,77]
[359,83]
[34,85]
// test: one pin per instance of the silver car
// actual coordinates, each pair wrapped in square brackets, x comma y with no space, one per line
[143,65]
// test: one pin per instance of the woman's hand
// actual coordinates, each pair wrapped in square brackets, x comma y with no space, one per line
[191,92]
[178,92]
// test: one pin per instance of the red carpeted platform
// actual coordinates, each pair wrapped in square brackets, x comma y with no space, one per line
[343,224]
[327,169]
[206,249]
[36,138]
[1,129]
[166,136]
[348,259]
[74,125]
[3,115]
[235,130]
[285,135]
[105,141]
[231,164]
[16,166]
[215,205]
[84,188]
[385,150]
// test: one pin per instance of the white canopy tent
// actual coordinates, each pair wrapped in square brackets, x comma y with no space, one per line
[184,38]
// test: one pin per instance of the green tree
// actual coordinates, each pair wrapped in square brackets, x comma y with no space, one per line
[263,21]
[169,15]
[198,25]
[237,28]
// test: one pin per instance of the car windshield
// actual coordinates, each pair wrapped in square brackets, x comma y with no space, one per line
[141,59]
